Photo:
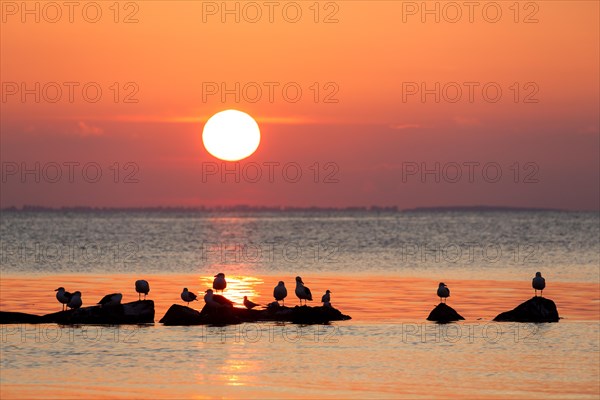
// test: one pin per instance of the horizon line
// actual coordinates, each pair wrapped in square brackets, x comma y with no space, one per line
[271,208]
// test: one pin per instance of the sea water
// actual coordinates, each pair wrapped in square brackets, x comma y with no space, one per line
[382,268]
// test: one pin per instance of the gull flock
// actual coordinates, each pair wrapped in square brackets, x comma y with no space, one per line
[74,300]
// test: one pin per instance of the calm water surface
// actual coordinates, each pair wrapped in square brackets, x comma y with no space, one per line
[382,269]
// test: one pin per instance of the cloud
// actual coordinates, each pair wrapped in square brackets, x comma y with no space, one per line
[466,121]
[200,119]
[84,129]
[399,127]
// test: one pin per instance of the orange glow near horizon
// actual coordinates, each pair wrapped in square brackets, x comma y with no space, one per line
[364,85]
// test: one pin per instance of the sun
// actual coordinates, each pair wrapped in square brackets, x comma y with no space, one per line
[231,135]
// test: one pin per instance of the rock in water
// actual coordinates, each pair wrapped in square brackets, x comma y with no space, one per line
[536,309]
[137,312]
[444,313]
[316,315]
[181,315]
[210,315]
[7,317]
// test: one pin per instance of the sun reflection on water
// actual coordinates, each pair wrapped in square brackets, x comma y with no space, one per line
[237,287]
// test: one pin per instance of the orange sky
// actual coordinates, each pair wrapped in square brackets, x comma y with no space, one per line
[371,134]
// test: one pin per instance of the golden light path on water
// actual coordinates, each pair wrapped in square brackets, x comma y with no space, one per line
[369,356]
[373,298]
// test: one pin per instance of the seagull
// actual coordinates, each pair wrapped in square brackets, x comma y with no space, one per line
[75,301]
[188,296]
[112,299]
[63,297]
[302,291]
[538,283]
[142,287]
[326,299]
[249,305]
[280,292]
[216,300]
[219,283]
[443,291]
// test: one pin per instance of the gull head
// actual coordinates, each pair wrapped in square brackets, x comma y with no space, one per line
[442,284]
[220,275]
[299,280]
[281,283]
[60,289]
[538,274]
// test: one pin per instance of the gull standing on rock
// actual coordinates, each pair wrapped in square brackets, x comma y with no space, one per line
[443,291]
[63,297]
[538,283]
[326,299]
[249,304]
[188,296]
[142,287]
[302,291]
[75,301]
[280,292]
[219,283]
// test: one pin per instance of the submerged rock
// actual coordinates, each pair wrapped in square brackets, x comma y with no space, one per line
[182,315]
[137,312]
[536,309]
[444,313]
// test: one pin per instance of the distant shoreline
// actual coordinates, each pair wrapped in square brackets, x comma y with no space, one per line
[245,208]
